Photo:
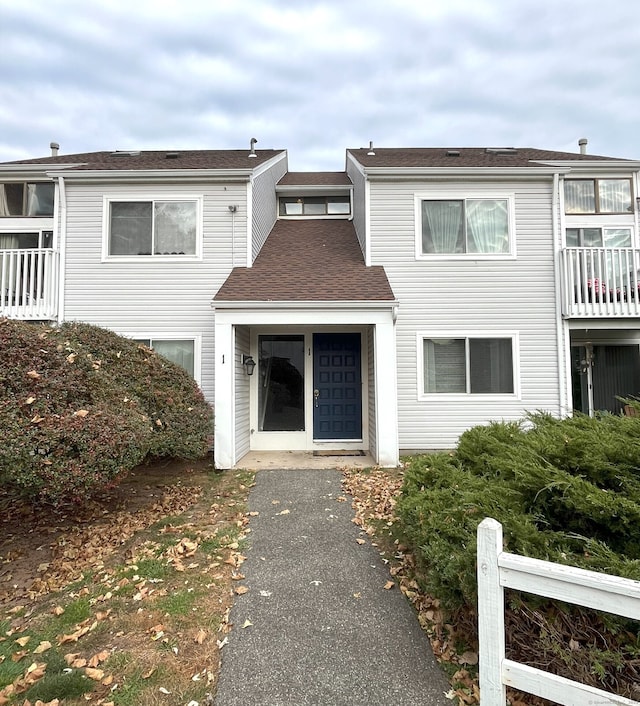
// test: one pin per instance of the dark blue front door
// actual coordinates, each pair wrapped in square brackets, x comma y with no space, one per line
[337,403]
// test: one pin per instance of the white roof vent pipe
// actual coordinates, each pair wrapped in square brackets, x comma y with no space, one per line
[371,153]
[54,149]
[582,144]
[252,153]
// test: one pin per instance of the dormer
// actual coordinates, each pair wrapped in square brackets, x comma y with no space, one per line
[315,195]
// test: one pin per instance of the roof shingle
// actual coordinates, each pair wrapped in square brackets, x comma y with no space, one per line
[157,159]
[463,157]
[308,260]
[315,179]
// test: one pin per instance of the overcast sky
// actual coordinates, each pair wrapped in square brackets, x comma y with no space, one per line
[316,77]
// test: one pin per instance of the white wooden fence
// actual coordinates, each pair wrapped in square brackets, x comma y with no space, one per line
[498,570]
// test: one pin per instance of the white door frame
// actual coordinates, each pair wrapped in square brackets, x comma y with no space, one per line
[309,316]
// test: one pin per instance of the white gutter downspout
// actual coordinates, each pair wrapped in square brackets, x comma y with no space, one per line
[564,360]
[62,247]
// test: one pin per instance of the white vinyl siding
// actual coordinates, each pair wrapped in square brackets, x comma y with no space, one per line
[242,386]
[265,204]
[171,296]
[359,202]
[469,294]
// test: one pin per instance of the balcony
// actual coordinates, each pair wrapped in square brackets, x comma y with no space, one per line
[600,282]
[29,284]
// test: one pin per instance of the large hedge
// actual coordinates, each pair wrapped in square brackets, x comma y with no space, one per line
[80,406]
[565,490]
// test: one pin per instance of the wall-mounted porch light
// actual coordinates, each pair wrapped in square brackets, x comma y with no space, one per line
[249,364]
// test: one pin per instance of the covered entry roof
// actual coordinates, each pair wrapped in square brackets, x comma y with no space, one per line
[308,260]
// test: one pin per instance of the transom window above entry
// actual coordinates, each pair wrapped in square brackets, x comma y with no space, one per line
[597,196]
[465,226]
[314,206]
[153,228]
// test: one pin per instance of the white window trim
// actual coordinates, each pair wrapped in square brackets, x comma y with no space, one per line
[467,396]
[173,336]
[24,228]
[509,197]
[599,177]
[128,198]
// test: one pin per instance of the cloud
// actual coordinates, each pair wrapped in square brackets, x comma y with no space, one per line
[317,77]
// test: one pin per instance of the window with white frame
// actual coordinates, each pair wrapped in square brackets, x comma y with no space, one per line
[597,196]
[181,352]
[598,237]
[314,206]
[153,228]
[40,240]
[26,199]
[466,226]
[468,365]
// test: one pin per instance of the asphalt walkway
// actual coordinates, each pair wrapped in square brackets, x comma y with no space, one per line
[316,626]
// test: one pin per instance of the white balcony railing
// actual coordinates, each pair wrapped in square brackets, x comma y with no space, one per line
[600,282]
[29,284]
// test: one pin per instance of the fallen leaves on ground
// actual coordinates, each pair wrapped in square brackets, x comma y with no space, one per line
[112,547]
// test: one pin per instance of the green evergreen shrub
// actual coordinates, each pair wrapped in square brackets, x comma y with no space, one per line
[564,490]
[80,406]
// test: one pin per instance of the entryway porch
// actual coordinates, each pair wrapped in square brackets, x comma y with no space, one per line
[302,460]
[321,378]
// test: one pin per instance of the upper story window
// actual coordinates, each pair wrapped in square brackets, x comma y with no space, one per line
[597,196]
[26,199]
[315,206]
[466,226]
[153,228]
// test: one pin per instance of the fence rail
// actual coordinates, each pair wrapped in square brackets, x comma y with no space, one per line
[29,284]
[600,282]
[498,570]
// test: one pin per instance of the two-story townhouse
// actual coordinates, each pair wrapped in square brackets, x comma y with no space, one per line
[388,307]
[516,276]
[137,242]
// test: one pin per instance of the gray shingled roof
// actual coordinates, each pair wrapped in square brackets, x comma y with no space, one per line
[157,159]
[463,157]
[315,179]
[308,260]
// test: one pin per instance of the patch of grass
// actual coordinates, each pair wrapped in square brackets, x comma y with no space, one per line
[211,545]
[153,569]
[131,689]
[168,521]
[58,685]
[9,670]
[74,613]
[178,603]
